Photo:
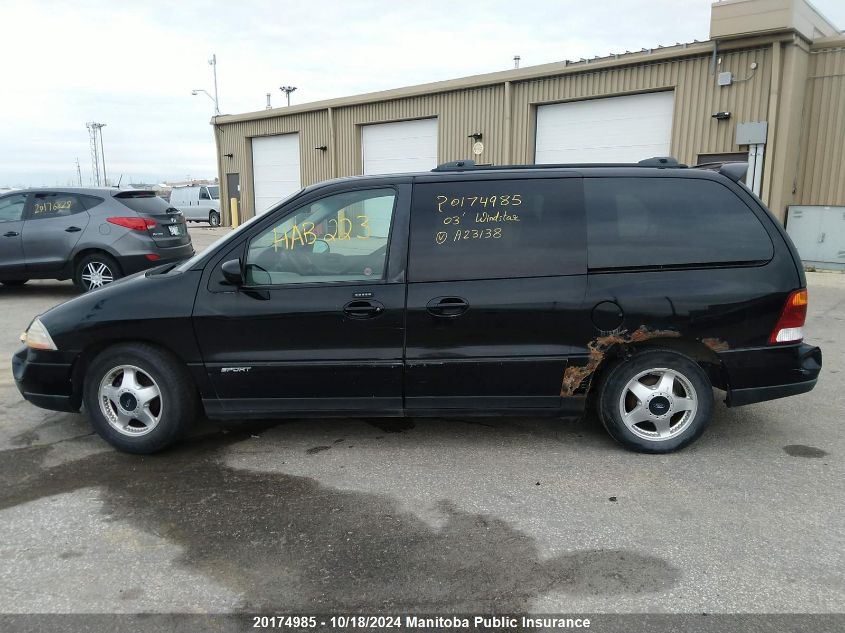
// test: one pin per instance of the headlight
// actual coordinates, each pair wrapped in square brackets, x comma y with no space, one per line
[37,336]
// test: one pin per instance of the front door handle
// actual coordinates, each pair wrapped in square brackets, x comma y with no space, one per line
[447,306]
[11,234]
[363,309]
[73,229]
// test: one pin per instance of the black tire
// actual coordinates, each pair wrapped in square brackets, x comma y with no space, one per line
[214,218]
[687,415]
[14,283]
[91,263]
[176,407]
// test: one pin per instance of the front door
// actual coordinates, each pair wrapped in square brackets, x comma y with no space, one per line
[319,323]
[497,277]
[54,224]
[11,228]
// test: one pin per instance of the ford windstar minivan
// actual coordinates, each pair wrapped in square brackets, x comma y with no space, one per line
[464,291]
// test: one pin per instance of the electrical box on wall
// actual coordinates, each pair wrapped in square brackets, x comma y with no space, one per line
[751,133]
[725,78]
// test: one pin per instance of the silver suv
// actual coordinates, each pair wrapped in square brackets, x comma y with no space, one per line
[92,236]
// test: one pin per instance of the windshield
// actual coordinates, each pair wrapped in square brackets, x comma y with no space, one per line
[214,192]
[226,237]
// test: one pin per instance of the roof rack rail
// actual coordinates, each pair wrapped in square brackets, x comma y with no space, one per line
[661,162]
[736,171]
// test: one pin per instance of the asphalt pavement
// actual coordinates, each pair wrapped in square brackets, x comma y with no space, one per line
[436,516]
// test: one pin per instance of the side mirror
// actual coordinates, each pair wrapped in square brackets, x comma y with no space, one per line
[232,272]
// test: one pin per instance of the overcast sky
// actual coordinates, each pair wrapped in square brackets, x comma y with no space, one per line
[132,65]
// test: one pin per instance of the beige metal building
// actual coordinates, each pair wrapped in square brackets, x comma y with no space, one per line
[769,87]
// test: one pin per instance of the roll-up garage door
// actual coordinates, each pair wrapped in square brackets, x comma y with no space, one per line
[389,148]
[611,130]
[275,169]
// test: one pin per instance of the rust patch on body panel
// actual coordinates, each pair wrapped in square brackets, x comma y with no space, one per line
[575,376]
[716,344]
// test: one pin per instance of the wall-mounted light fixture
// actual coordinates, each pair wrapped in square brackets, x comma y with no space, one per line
[229,155]
[721,116]
[322,148]
[476,136]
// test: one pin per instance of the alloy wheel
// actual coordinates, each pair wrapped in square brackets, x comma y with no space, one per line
[96,275]
[658,404]
[130,400]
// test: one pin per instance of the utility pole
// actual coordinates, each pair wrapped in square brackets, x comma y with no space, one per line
[93,133]
[78,171]
[287,90]
[103,156]
[213,63]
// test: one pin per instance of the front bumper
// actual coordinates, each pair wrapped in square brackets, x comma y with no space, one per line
[44,378]
[767,373]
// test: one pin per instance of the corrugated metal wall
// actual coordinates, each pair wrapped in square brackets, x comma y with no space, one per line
[697,97]
[821,166]
[464,112]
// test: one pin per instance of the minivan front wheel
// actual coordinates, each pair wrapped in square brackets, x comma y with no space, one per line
[140,399]
[95,271]
[214,218]
[657,401]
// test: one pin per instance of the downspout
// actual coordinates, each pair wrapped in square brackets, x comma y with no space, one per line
[774,102]
[507,158]
[332,153]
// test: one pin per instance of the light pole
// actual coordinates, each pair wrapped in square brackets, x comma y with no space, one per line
[213,63]
[103,155]
[287,90]
[196,91]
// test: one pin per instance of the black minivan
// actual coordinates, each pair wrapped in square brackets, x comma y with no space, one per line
[463,291]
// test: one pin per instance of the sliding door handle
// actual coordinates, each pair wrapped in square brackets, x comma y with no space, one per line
[11,234]
[447,306]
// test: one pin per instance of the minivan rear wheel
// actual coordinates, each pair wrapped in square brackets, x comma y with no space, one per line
[657,401]
[140,398]
[95,271]
[214,218]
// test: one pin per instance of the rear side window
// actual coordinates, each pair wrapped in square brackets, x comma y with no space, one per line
[54,205]
[647,222]
[495,229]
[145,202]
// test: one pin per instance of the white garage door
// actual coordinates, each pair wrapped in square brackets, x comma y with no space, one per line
[613,130]
[275,169]
[390,148]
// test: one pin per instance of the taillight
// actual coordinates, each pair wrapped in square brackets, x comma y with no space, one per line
[136,223]
[790,325]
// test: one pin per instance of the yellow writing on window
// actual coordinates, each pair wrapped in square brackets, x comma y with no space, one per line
[305,233]
[504,200]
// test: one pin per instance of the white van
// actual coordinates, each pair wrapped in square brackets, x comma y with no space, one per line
[198,203]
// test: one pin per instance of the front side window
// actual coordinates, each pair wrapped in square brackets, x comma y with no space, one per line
[214,192]
[204,194]
[646,222]
[11,207]
[54,205]
[343,237]
[497,229]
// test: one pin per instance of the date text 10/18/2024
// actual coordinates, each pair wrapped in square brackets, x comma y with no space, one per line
[497,209]
[378,622]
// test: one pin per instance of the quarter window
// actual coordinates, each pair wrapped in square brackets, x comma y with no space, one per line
[11,207]
[647,222]
[54,205]
[343,237]
[492,229]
